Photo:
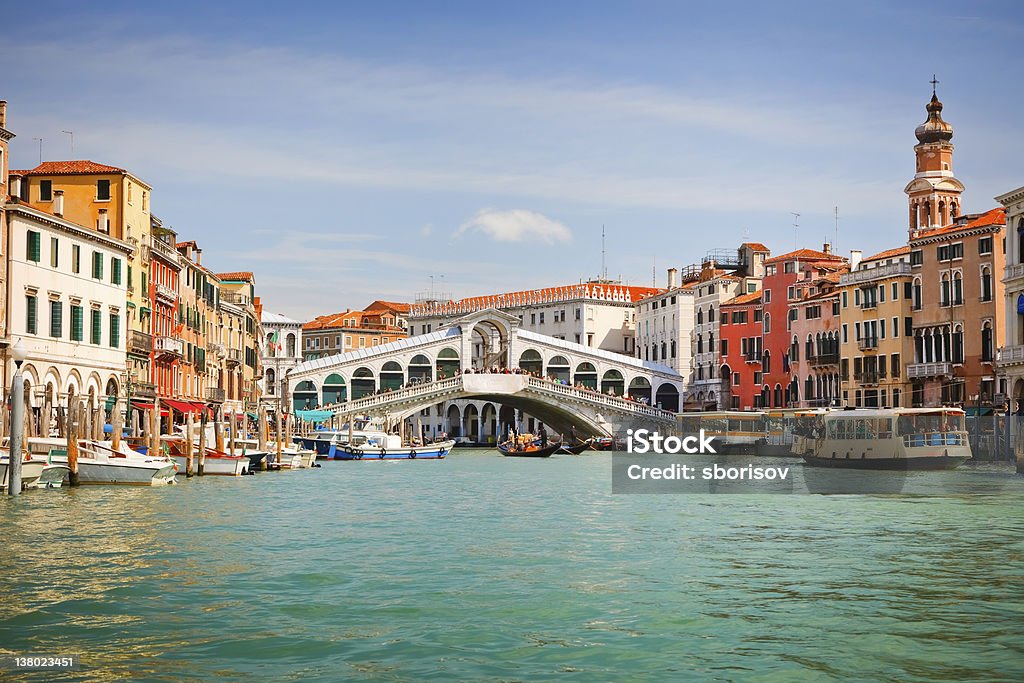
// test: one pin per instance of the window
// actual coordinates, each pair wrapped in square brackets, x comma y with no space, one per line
[956,250]
[102,190]
[835,307]
[986,343]
[846,336]
[985,245]
[45,190]
[789,267]
[986,284]
[881,294]
[725,347]
[115,330]
[54,252]
[766,295]
[542,318]
[33,245]
[76,258]
[97,265]
[56,318]
[533,318]
[916,257]
[767,323]
[77,323]
[944,291]
[895,327]
[942,252]
[115,270]
[31,305]
[895,365]
[958,289]
[895,291]
[846,300]
[96,323]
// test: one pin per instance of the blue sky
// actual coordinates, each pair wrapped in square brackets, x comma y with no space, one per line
[347,152]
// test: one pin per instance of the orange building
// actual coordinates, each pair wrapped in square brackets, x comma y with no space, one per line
[380,323]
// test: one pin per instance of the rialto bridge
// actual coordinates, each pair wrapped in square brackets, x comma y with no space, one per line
[464,377]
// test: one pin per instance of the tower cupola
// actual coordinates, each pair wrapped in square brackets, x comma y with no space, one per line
[934,129]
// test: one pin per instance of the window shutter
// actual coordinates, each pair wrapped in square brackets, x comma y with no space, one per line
[115,270]
[115,330]
[56,318]
[33,246]
[95,332]
[77,323]
[31,307]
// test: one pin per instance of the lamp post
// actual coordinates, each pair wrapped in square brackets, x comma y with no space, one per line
[17,421]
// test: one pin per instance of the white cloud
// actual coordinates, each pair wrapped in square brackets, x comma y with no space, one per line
[427,230]
[517,225]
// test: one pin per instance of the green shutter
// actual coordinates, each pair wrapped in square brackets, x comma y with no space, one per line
[33,246]
[31,307]
[129,276]
[115,270]
[95,332]
[56,319]
[77,323]
[115,330]
[97,265]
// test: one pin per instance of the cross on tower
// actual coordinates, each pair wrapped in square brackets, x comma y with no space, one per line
[934,83]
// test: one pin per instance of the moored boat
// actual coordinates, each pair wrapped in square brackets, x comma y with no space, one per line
[214,462]
[887,439]
[100,463]
[529,449]
[31,471]
[393,449]
[575,449]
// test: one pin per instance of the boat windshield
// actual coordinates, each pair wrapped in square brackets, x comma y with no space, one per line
[929,423]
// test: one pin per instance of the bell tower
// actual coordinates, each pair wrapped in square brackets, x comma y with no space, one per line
[934,193]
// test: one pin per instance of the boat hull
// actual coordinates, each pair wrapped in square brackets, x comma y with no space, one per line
[934,462]
[365,452]
[31,470]
[545,452]
[231,467]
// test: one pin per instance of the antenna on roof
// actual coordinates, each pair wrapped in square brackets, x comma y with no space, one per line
[835,248]
[40,149]
[654,272]
[796,230]
[72,136]
[604,267]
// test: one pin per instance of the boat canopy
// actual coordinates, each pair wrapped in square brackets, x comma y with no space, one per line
[314,415]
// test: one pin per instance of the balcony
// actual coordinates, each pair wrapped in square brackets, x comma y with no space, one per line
[143,390]
[235,298]
[923,370]
[1013,271]
[217,349]
[166,293]
[214,395]
[1010,355]
[140,343]
[168,346]
[878,273]
[234,357]
[164,249]
[867,343]
[823,359]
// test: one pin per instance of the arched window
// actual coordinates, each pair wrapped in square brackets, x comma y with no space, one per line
[942,213]
[958,344]
[674,348]
[916,293]
[270,388]
[986,343]
[986,284]
[794,350]
[1020,241]
[809,346]
[958,289]
[952,211]
[290,345]
[700,343]
[944,297]
[766,362]
[767,323]
[711,342]
[700,316]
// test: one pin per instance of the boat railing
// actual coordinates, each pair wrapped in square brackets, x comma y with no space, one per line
[935,439]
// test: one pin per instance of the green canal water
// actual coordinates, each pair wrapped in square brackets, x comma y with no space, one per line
[487,568]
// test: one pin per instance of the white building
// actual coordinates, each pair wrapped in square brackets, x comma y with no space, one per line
[598,314]
[281,351]
[1011,355]
[67,304]
[664,325]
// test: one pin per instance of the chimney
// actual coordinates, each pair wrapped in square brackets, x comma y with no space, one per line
[672,273]
[58,203]
[855,256]
[15,188]
[104,225]
[199,256]
[3,113]
[827,248]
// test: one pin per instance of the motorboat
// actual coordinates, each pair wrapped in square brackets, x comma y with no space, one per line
[100,463]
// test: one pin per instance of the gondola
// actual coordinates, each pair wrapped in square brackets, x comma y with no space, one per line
[575,449]
[531,451]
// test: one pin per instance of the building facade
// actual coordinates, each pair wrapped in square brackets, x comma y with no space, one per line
[242,336]
[664,325]
[351,330]
[814,345]
[67,308]
[877,326]
[281,351]
[1011,353]
[166,328]
[5,137]
[741,349]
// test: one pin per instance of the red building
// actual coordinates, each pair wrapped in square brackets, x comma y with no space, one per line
[787,278]
[168,347]
[741,342]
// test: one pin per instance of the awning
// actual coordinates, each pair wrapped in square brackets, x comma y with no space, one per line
[149,406]
[184,407]
[314,415]
[972,412]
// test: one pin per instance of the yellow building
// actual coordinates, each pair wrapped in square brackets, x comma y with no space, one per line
[115,202]
[197,309]
[876,339]
[238,312]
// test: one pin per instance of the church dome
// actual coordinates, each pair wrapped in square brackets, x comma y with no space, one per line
[934,129]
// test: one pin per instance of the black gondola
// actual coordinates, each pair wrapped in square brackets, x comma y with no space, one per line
[532,451]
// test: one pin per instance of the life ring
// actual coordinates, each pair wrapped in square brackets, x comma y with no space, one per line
[359,456]
[412,455]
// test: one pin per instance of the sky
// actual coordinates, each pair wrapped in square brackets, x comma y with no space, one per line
[346,152]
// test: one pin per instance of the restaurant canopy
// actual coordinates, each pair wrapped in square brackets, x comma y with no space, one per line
[314,415]
[184,407]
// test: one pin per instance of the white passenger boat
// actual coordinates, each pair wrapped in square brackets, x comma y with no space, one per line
[289,452]
[887,438]
[99,463]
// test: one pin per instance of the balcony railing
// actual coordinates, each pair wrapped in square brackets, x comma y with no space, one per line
[234,356]
[1012,271]
[234,298]
[214,395]
[1009,355]
[878,273]
[140,342]
[164,249]
[922,370]
[824,359]
[168,346]
[867,343]
[165,292]
[216,348]
[143,389]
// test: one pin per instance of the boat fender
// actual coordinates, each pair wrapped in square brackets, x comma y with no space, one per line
[380,456]
[412,455]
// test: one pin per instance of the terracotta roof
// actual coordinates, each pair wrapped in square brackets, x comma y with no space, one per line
[71,168]
[816,297]
[888,253]
[190,243]
[990,217]
[239,275]
[805,255]
[749,298]
[393,305]
[549,294]
[19,172]
[334,320]
[756,246]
